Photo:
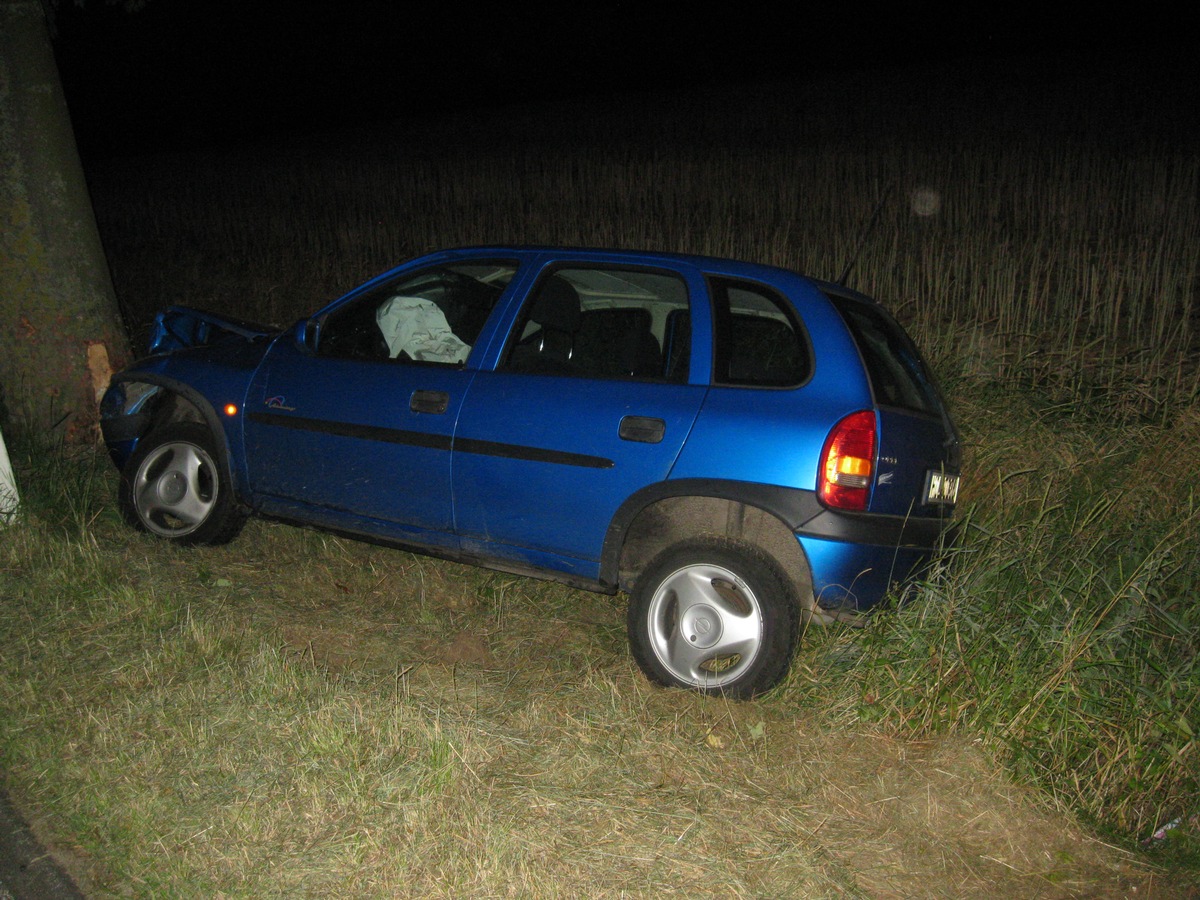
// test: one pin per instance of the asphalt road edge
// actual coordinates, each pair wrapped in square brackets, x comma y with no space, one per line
[27,871]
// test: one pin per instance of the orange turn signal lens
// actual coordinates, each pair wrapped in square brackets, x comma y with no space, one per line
[847,462]
[231,409]
[853,465]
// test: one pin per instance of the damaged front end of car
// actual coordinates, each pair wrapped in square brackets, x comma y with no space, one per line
[178,327]
[147,393]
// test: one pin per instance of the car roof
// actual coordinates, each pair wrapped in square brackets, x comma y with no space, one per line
[709,264]
[725,265]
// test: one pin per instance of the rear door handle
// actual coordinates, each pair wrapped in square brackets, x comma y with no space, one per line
[429,401]
[643,429]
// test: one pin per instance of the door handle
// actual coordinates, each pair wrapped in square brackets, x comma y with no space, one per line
[643,429]
[429,401]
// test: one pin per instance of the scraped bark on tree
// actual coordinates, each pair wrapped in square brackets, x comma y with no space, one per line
[61,334]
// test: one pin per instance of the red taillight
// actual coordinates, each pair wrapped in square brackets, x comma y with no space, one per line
[848,462]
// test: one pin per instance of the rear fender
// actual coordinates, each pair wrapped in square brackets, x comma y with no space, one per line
[669,512]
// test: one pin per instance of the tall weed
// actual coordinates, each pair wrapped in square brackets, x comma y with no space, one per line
[1063,625]
[1064,256]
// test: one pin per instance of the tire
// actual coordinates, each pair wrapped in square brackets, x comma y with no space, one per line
[715,616]
[174,487]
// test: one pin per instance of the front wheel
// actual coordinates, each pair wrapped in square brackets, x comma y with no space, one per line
[173,486]
[715,616]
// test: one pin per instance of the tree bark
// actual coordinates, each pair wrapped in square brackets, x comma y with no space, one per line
[61,334]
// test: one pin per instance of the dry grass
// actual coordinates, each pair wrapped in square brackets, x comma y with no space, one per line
[1033,234]
[299,715]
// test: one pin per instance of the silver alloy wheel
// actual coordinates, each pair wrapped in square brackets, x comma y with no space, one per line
[175,489]
[705,625]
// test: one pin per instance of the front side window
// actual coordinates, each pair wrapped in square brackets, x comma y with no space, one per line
[430,316]
[758,340]
[599,322]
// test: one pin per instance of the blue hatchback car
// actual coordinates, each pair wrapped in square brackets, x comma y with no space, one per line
[740,448]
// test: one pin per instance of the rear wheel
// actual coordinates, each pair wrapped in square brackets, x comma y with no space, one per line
[173,486]
[715,616]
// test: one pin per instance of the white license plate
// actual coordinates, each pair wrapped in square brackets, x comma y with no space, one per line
[941,488]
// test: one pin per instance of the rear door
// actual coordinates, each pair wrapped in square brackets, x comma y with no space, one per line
[590,400]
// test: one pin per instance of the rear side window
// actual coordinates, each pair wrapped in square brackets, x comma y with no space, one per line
[759,341]
[604,322]
[897,372]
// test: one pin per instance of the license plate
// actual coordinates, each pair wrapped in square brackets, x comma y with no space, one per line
[941,488]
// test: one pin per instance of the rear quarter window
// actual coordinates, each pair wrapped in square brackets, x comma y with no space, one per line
[759,340]
[899,376]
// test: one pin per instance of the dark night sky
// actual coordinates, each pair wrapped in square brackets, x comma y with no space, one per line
[183,72]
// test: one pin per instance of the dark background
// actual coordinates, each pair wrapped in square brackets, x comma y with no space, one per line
[178,74]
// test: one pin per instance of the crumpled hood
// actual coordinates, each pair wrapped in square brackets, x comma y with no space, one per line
[178,327]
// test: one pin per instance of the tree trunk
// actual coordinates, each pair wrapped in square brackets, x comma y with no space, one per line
[61,334]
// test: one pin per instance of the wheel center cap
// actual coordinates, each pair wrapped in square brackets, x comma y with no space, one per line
[173,488]
[701,626]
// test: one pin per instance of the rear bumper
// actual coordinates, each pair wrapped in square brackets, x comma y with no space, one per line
[850,578]
[874,530]
[856,559]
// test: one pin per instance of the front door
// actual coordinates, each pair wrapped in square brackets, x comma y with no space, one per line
[353,428]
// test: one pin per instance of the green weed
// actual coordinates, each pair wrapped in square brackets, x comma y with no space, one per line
[1063,626]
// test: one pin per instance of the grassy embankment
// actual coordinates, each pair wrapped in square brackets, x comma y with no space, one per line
[298,713]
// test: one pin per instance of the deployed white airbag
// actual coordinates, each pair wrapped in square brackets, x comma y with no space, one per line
[416,326]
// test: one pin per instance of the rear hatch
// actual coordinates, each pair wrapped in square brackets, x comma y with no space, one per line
[918,455]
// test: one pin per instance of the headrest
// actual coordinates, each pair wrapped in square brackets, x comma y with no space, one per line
[557,305]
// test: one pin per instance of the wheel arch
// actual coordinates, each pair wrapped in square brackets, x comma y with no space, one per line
[174,402]
[668,513]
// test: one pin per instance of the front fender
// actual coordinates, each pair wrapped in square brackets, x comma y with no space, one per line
[136,401]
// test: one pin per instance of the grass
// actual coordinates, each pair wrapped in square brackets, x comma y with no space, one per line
[1063,626]
[297,714]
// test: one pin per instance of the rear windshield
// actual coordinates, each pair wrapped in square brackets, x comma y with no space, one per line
[897,372]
